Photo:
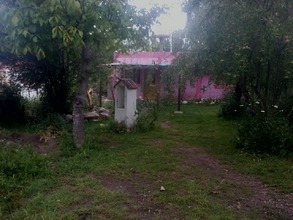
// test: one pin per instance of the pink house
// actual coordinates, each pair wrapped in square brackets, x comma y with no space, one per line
[145,68]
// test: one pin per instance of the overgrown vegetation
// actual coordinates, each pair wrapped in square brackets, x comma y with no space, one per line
[261,135]
[56,45]
[82,182]
[246,44]
[19,166]
[260,131]
[231,107]
[147,114]
[12,111]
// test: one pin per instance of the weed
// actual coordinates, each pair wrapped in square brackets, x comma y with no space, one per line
[119,176]
[66,144]
[117,127]
[147,114]
[231,107]
[11,106]
[270,135]
[18,166]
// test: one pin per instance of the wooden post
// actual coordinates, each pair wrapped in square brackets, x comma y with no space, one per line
[100,92]
[179,93]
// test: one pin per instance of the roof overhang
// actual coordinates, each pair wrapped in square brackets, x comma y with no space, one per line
[143,59]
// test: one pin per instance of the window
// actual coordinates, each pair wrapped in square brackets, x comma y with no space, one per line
[150,76]
[136,76]
[133,74]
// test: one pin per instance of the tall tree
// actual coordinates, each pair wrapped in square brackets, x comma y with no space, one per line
[248,43]
[42,27]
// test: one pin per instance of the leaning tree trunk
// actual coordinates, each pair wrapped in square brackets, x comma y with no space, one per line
[80,99]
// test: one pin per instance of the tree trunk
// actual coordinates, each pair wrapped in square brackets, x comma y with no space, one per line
[267,88]
[80,98]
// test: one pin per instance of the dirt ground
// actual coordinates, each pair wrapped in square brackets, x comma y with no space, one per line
[42,144]
[257,196]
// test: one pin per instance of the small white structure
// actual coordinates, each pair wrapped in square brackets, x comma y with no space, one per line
[125,101]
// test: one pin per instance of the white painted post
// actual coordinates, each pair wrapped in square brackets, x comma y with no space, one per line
[125,102]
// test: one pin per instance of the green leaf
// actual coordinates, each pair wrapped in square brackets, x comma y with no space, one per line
[25,50]
[77,4]
[54,32]
[14,20]
[35,39]
[80,33]
[12,34]
[40,54]
[41,22]
[32,14]
[25,33]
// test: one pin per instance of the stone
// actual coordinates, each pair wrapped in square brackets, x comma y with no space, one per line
[91,115]
[105,115]
[102,109]
[68,117]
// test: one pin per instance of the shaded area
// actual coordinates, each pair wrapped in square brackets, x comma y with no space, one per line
[41,144]
[239,191]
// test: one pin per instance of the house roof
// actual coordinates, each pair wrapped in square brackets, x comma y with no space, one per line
[127,82]
[144,59]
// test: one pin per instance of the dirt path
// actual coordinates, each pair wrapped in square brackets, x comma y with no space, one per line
[237,191]
[251,193]
[140,191]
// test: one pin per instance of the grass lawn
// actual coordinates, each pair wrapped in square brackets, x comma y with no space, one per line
[120,176]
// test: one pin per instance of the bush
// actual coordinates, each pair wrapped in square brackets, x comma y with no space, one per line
[117,127]
[37,114]
[264,134]
[50,124]
[231,108]
[147,114]
[11,108]
[33,111]
[286,108]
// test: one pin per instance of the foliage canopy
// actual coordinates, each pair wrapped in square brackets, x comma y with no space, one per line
[244,43]
[68,33]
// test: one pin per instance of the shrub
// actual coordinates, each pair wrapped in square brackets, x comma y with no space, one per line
[33,111]
[286,108]
[36,114]
[167,100]
[117,127]
[231,108]
[147,114]
[11,108]
[264,134]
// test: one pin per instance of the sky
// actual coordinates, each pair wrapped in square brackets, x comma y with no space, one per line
[174,19]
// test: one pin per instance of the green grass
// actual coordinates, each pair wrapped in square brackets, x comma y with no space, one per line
[69,185]
[202,127]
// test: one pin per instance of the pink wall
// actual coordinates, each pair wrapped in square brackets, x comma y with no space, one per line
[203,88]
